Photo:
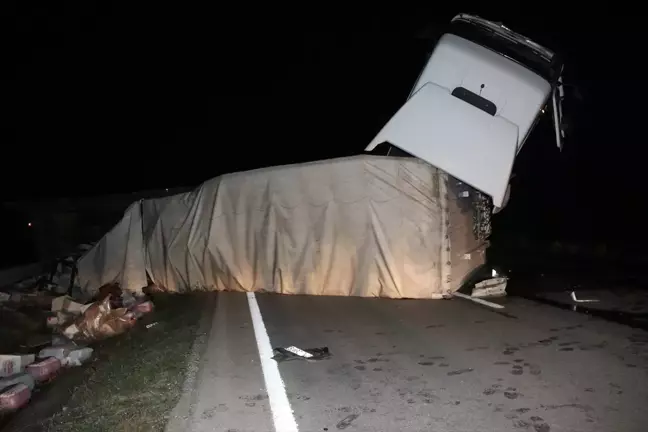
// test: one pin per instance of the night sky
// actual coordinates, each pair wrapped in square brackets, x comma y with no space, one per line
[100,99]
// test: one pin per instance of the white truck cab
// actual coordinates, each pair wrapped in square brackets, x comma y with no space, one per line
[475,103]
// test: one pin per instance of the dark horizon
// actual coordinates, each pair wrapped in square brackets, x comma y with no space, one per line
[103,101]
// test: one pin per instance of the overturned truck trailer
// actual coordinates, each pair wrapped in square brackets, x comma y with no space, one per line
[362,226]
[374,226]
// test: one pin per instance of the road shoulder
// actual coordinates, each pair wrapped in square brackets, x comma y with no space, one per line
[228,391]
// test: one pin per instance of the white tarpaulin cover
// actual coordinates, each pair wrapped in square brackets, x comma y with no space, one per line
[368,226]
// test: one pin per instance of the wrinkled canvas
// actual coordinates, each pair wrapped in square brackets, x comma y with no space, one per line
[368,226]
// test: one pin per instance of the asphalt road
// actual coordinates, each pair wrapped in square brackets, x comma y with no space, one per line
[413,365]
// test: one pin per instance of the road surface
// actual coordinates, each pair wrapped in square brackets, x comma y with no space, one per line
[415,365]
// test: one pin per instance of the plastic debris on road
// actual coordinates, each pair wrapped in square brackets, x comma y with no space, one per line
[44,370]
[100,321]
[21,378]
[144,307]
[14,398]
[58,352]
[494,287]
[78,357]
[69,354]
[55,301]
[67,304]
[294,353]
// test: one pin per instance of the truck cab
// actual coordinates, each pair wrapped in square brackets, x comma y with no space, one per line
[476,102]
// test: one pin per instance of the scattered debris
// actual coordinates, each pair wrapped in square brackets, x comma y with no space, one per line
[299,352]
[573,297]
[114,291]
[78,357]
[100,321]
[20,378]
[67,304]
[494,287]
[44,370]
[54,302]
[346,421]
[58,352]
[144,307]
[68,355]
[14,364]
[14,398]
[294,353]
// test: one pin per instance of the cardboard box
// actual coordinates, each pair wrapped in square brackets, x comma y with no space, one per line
[67,304]
[14,364]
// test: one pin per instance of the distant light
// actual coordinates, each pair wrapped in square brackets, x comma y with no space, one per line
[29,224]
[494,273]
[542,110]
[167,189]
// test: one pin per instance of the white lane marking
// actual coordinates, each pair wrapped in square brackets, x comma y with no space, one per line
[478,300]
[282,413]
